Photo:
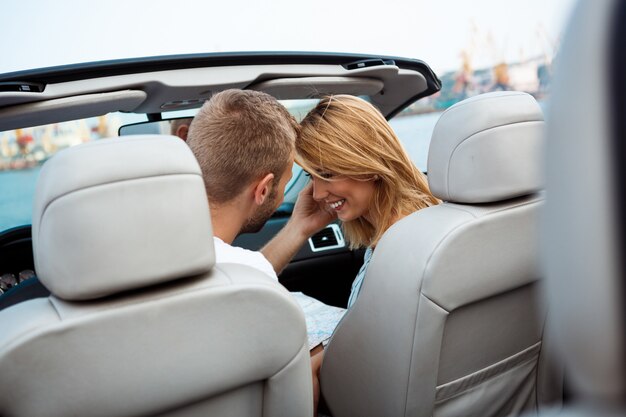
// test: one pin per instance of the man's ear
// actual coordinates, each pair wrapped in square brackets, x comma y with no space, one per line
[182,131]
[263,188]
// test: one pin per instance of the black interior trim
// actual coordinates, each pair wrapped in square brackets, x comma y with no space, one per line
[28,290]
[327,278]
[255,241]
[368,63]
[16,253]
[21,86]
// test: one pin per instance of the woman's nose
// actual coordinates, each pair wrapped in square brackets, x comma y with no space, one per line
[320,191]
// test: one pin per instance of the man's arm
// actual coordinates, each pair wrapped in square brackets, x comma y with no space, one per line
[308,217]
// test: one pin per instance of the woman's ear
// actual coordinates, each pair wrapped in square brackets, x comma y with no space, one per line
[263,188]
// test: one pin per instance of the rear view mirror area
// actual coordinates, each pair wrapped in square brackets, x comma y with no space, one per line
[176,127]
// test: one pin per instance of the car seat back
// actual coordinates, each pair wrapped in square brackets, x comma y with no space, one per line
[448,321]
[141,321]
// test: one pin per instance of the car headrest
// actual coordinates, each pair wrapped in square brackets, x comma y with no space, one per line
[119,214]
[487,148]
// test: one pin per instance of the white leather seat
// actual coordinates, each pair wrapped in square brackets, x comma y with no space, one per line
[448,321]
[141,321]
[583,229]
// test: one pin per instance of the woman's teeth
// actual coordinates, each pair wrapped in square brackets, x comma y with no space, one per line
[337,204]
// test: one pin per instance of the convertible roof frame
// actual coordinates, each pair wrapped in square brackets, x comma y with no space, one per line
[92,70]
[86,70]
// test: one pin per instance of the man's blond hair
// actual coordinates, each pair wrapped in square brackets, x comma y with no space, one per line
[239,136]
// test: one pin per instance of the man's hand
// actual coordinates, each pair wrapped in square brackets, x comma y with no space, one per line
[308,217]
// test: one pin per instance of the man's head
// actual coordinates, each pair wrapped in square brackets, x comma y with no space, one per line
[242,137]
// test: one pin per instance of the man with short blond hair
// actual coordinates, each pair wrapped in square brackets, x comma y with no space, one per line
[239,135]
[244,142]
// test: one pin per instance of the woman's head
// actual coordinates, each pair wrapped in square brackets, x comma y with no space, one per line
[346,144]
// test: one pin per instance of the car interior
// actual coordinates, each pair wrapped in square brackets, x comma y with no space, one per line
[481,306]
[322,269]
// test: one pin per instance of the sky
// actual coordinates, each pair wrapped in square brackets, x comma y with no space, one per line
[42,33]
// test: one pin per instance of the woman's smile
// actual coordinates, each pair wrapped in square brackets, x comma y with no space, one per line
[348,197]
[337,205]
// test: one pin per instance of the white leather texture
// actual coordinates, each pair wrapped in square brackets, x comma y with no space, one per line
[201,344]
[451,290]
[98,217]
[485,149]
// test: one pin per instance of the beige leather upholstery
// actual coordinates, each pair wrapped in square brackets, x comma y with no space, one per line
[583,223]
[141,321]
[448,321]
[480,154]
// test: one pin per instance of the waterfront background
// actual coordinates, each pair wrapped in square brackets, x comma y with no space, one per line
[18,185]
[473,47]
[16,199]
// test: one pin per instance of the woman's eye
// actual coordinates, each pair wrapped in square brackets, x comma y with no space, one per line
[324,175]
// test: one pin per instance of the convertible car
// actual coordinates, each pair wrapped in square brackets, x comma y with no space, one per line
[87,102]
[112,302]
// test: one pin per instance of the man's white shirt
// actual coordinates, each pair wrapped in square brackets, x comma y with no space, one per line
[321,319]
[225,253]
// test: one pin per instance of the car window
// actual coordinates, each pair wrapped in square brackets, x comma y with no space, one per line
[23,151]
[415,131]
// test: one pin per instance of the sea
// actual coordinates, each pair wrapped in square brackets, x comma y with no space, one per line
[17,187]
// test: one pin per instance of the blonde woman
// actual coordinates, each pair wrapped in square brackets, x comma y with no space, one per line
[361,172]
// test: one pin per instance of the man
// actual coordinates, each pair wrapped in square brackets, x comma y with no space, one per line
[245,142]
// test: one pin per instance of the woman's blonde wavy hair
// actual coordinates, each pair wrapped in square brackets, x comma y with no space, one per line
[348,136]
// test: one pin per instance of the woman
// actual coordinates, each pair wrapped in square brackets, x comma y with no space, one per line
[361,172]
